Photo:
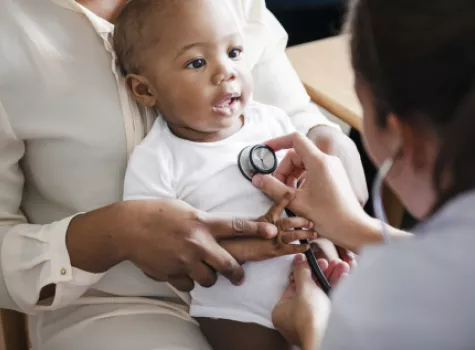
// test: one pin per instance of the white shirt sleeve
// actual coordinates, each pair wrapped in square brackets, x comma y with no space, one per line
[148,174]
[275,80]
[32,256]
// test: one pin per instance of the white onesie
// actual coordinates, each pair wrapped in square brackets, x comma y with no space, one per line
[206,176]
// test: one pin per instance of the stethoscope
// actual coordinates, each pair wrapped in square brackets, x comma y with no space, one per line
[261,159]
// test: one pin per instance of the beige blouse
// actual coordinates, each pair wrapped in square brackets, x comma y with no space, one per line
[67,125]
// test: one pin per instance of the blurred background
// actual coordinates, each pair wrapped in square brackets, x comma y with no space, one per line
[308,20]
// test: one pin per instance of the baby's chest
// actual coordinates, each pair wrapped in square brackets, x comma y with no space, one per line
[218,186]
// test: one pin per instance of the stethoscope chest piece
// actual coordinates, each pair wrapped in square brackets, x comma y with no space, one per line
[258,159]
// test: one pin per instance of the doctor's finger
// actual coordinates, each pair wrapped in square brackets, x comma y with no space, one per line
[339,270]
[273,188]
[302,274]
[291,166]
[296,140]
[301,144]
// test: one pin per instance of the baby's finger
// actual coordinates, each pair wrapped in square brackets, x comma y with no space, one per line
[274,213]
[289,249]
[287,237]
[287,223]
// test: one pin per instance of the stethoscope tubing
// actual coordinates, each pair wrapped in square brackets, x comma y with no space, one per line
[312,262]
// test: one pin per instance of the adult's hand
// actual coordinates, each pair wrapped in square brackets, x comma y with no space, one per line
[301,314]
[326,197]
[171,241]
[289,230]
[335,143]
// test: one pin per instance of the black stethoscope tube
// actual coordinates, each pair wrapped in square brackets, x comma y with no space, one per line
[312,262]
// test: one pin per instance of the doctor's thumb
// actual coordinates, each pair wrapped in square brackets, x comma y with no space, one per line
[273,188]
[302,274]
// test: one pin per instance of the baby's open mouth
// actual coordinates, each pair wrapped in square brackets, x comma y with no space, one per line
[227,104]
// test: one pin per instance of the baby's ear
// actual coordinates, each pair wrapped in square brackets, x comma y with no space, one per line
[141,90]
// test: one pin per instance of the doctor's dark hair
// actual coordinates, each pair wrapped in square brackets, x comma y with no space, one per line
[418,59]
[136,31]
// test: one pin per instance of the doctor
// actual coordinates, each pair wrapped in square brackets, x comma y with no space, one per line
[415,77]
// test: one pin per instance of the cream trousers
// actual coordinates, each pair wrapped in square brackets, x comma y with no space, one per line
[113,326]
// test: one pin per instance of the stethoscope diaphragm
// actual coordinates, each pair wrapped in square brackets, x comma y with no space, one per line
[258,159]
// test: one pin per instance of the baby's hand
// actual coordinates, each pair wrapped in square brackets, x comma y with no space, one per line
[291,229]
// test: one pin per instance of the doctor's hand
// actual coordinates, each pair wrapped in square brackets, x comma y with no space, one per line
[302,313]
[326,197]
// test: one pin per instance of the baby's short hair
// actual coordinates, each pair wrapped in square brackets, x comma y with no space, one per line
[133,35]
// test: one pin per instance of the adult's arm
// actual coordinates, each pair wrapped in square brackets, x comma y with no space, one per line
[32,256]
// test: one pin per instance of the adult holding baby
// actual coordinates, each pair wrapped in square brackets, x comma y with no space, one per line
[72,256]
[415,70]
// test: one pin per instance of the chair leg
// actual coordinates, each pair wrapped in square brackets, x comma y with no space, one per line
[14,330]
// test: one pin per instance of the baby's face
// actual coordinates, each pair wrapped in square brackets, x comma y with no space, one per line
[196,69]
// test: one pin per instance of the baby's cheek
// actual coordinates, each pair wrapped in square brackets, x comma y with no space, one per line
[247,82]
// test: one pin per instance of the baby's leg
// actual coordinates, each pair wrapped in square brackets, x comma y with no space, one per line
[232,335]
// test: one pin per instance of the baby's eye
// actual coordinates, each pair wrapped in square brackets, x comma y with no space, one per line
[196,64]
[235,53]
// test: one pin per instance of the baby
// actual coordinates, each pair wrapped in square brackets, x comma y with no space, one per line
[185,58]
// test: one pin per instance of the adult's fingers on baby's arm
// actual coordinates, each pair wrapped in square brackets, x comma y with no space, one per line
[182,283]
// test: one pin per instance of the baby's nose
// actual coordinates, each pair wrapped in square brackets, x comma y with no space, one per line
[224,73]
